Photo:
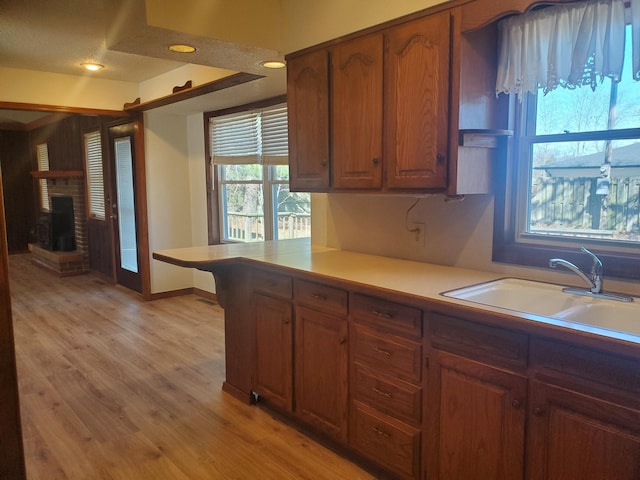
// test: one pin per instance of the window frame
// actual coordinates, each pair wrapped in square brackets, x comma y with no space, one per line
[507,246]
[215,234]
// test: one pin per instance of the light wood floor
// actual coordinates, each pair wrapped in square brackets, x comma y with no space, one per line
[112,387]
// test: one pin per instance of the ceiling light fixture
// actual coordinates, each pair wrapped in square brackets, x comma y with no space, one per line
[94,67]
[273,64]
[182,48]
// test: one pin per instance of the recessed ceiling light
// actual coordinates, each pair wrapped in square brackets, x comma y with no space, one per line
[182,48]
[273,64]
[94,67]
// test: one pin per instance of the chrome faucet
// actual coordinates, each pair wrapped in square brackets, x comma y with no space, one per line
[595,279]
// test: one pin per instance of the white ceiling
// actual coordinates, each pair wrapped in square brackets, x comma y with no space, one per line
[57,35]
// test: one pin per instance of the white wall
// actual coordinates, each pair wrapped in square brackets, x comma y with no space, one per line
[168,196]
[30,86]
[198,191]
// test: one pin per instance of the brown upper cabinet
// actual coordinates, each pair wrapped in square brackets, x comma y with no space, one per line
[388,99]
[356,113]
[308,105]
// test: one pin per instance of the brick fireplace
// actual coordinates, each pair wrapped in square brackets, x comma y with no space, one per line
[61,256]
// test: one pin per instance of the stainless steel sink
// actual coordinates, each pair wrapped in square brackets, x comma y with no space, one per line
[549,300]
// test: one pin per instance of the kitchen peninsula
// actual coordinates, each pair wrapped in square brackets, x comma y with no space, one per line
[365,352]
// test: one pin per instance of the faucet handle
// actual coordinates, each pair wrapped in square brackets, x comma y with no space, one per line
[596,269]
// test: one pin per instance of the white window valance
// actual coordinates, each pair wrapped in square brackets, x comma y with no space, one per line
[568,46]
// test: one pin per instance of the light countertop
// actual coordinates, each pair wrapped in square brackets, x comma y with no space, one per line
[417,279]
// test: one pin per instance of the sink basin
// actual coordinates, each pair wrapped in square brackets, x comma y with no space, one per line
[548,300]
[528,296]
[605,314]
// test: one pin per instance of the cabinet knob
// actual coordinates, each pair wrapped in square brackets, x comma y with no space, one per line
[440,158]
[516,404]
[538,411]
[323,163]
[376,161]
[342,340]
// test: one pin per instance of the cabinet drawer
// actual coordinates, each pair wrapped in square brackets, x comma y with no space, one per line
[393,397]
[390,443]
[481,342]
[272,283]
[321,297]
[391,316]
[391,355]
[555,361]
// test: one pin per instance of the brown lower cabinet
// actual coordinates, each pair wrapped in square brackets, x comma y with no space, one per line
[273,320]
[321,371]
[476,420]
[572,435]
[449,394]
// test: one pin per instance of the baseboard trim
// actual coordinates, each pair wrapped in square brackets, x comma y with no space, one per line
[185,291]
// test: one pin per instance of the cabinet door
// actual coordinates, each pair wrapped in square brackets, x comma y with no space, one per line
[274,357]
[476,416]
[321,371]
[417,103]
[356,113]
[574,436]
[308,111]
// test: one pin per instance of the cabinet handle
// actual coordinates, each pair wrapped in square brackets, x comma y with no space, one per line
[317,296]
[380,432]
[538,412]
[516,404]
[378,313]
[386,353]
[376,161]
[440,159]
[382,392]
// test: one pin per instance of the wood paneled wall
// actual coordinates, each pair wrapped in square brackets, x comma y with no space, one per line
[11,450]
[20,208]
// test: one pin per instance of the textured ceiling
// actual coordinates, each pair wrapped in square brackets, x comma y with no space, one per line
[57,35]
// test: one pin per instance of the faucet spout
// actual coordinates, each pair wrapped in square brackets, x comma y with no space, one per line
[594,281]
[593,286]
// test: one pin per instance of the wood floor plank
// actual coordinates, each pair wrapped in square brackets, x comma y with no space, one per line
[116,388]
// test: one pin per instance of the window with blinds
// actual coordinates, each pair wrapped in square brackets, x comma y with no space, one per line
[249,161]
[43,166]
[95,178]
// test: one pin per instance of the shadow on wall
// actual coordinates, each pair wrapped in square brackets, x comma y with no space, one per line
[433,230]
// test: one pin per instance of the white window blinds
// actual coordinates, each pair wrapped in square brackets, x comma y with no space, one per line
[256,137]
[567,45]
[95,179]
[43,166]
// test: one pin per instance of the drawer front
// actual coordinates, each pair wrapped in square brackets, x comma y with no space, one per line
[272,283]
[555,361]
[480,342]
[321,297]
[391,396]
[391,316]
[392,444]
[390,355]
